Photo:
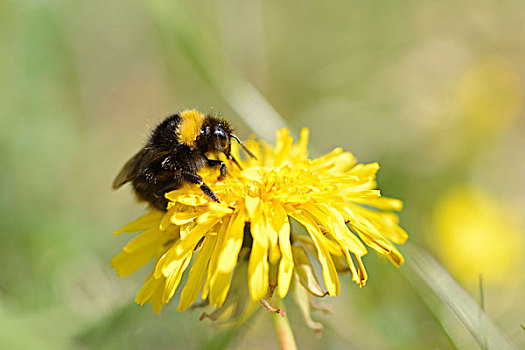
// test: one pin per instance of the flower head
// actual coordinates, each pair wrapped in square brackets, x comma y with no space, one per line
[468,216]
[281,206]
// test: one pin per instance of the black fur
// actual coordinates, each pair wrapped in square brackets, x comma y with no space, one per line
[165,164]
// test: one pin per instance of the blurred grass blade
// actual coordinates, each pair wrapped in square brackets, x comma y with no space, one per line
[482,305]
[455,298]
[176,23]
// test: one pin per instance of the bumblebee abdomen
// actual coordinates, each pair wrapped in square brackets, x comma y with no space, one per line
[152,187]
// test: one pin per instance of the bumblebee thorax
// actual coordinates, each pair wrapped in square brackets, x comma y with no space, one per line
[189,127]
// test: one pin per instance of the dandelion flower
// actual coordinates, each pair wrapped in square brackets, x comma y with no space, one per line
[278,211]
[467,216]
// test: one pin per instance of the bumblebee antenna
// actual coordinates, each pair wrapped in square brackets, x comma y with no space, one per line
[244,147]
[235,161]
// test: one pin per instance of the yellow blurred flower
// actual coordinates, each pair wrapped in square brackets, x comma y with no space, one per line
[250,238]
[476,235]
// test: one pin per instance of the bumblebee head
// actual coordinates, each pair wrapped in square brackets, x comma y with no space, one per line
[216,136]
[221,139]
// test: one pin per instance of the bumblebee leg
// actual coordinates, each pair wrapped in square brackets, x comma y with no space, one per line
[224,169]
[197,180]
[167,188]
[207,191]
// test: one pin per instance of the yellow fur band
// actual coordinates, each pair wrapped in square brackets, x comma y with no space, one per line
[191,123]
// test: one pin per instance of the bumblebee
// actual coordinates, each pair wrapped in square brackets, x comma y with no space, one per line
[175,152]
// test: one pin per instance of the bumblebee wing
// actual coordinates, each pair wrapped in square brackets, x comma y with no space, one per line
[129,170]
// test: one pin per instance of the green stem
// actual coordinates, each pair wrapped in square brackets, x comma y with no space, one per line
[282,328]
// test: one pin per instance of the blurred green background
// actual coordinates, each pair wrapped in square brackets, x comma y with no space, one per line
[433,90]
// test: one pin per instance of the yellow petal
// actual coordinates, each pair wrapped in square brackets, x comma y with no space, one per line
[165,221]
[150,287]
[334,222]
[363,276]
[328,158]
[329,272]
[182,217]
[185,229]
[282,225]
[197,274]
[125,264]
[138,252]
[283,146]
[188,243]
[367,231]
[258,265]
[220,288]
[190,199]
[255,148]
[219,209]
[258,228]
[396,258]
[343,162]
[217,283]
[173,279]
[384,203]
[156,299]
[171,260]
[232,243]
[355,275]
[151,237]
[364,170]
[258,272]
[251,205]
[300,150]
[386,223]
[152,291]
[267,159]
[272,231]
[146,221]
